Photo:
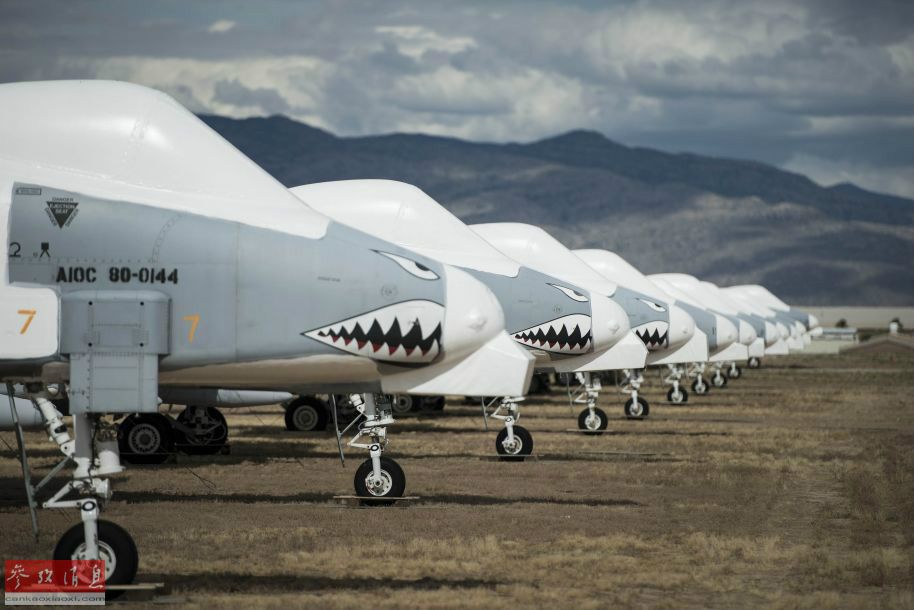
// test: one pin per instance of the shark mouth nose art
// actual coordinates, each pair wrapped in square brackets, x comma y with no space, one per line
[655,335]
[566,335]
[408,332]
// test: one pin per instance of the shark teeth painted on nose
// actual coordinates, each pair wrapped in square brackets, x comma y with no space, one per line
[408,332]
[566,335]
[655,335]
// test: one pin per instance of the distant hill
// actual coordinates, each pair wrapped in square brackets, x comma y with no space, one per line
[725,220]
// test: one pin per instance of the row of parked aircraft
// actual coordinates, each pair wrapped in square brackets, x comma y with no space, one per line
[150,261]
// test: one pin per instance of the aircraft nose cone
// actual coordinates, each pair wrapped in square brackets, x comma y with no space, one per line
[783,330]
[610,322]
[771,334]
[813,322]
[472,316]
[727,333]
[682,326]
[747,334]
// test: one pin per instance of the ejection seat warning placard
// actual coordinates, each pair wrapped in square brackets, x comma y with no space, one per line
[33,243]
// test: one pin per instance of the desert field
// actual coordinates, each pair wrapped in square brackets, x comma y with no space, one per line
[790,488]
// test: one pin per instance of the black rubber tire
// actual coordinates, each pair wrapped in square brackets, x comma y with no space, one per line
[719,381]
[154,424]
[735,373]
[307,411]
[215,440]
[705,388]
[683,396]
[429,404]
[404,403]
[392,469]
[754,363]
[522,435]
[117,539]
[582,421]
[645,409]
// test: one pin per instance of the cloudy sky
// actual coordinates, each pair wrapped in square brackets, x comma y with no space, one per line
[823,87]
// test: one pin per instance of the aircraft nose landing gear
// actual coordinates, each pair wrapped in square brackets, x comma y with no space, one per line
[592,419]
[699,385]
[377,477]
[719,379]
[94,453]
[513,441]
[676,394]
[635,407]
[735,372]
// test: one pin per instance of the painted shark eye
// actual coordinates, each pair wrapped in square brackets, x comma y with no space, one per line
[653,305]
[410,266]
[574,295]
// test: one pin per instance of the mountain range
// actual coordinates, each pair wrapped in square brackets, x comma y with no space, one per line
[725,220]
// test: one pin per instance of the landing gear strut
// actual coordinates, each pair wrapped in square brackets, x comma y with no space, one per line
[592,419]
[94,454]
[719,379]
[378,476]
[513,441]
[735,372]
[699,385]
[676,394]
[635,407]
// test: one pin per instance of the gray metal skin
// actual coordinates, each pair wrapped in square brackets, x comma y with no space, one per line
[640,313]
[231,275]
[704,321]
[531,298]
[757,322]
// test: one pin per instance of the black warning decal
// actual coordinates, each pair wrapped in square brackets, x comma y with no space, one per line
[62,211]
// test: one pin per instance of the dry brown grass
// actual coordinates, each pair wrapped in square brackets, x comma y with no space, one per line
[792,488]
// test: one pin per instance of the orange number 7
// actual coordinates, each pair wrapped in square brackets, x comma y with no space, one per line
[30,313]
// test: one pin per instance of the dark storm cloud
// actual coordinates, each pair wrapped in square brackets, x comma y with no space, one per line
[803,85]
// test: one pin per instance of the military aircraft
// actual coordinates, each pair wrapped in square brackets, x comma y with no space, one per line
[711,333]
[803,323]
[558,321]
[691,288]
[144,252]
[655,325]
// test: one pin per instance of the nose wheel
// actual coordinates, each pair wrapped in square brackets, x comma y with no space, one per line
[677,396]
[637,408]
[754,363]
[388,482]
[719,380]
[592,421]
[520,446]
[735,372]
[115,547]
[700,387]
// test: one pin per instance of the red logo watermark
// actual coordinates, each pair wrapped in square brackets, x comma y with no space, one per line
[50,581]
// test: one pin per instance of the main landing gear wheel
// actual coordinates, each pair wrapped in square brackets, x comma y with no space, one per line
[637,411]
[719,381]
[522,445]
[306,414]
[735,372]
[401,404]
[392,483]
[210,430]
[677,396]
[593,424]
[754,363]
[115,546]
[145,439]
[699,387]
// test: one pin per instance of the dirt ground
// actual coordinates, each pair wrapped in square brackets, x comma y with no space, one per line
[790,488]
